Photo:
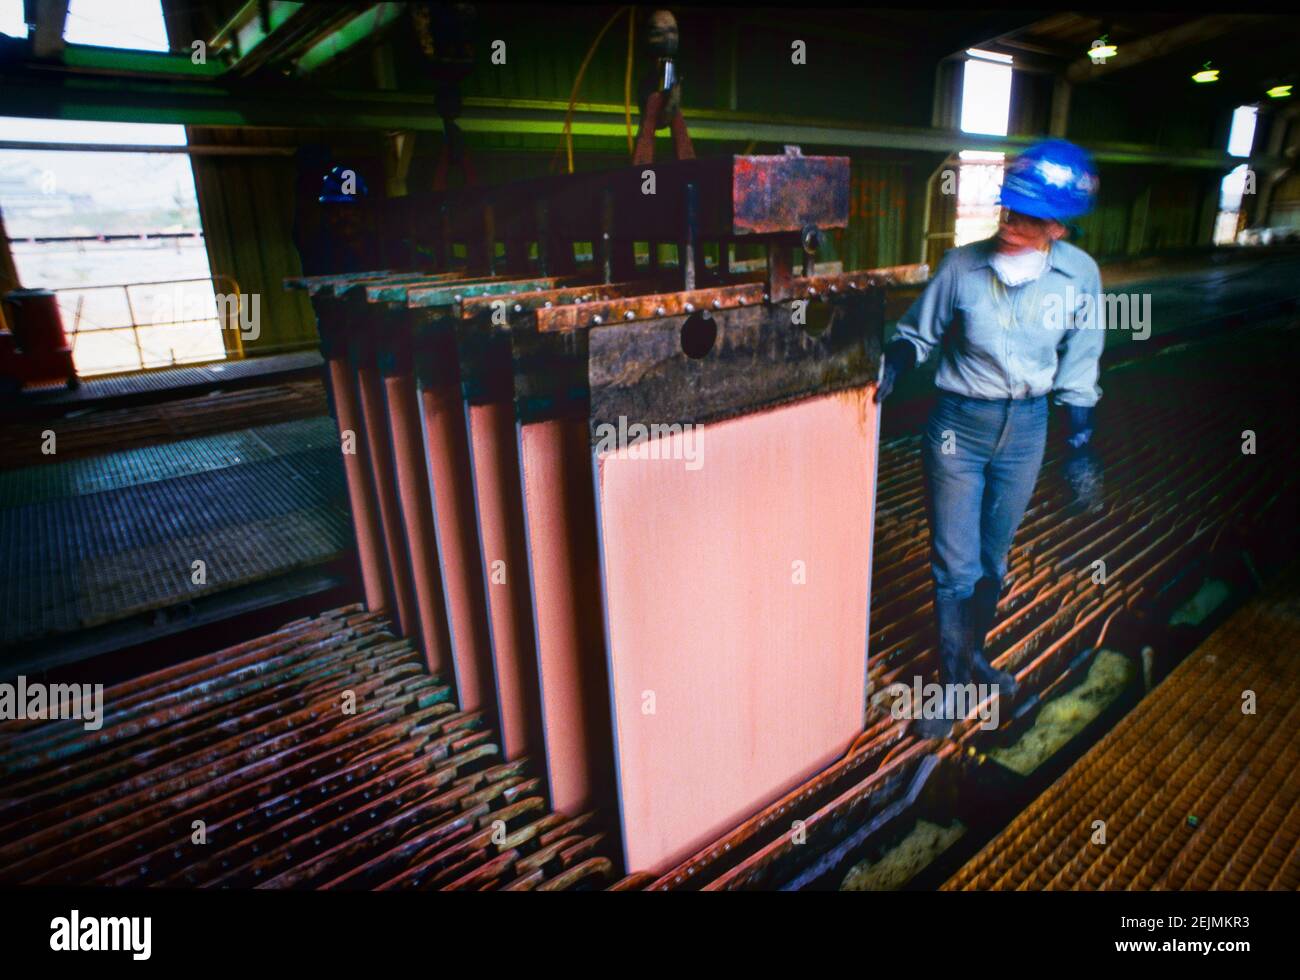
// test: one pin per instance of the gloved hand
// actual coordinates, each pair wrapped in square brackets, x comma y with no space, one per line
[1083,474]
[1082,468]
[900,357]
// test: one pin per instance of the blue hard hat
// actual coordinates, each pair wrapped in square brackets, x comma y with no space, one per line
[1052,179]
[333,184]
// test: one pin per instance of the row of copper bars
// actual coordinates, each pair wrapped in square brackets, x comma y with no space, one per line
[549,582]
[633,612]
[626,511]
[245,767]
[324,755]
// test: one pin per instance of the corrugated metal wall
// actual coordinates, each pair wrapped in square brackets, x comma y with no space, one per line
[884,211]
[544,49]
[1285,209]
[1145,208]
[1105,232]
[1031,103]
[1116,113]
[246,206]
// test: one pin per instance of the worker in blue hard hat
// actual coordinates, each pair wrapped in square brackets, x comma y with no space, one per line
[1015,318]
[349,241]
[342,185]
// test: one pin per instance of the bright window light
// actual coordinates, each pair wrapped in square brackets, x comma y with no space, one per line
[135,24]
[985,108]
[97,182]
[979,178]
[140,296]
[986,95]
[1242,136]
[83,131]
[1233,189]
[11,18]
[989,55]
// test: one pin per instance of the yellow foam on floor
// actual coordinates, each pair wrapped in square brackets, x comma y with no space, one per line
[1212,594]
[1064,717]
[900,864]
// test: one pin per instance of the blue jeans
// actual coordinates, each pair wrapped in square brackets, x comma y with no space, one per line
[981,458]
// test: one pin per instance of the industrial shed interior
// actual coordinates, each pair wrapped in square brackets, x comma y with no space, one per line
[449,435]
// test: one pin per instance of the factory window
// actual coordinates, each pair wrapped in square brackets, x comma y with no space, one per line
[116,234]
[1242,136]
[11,18]
[1239,182]
[134,24]
[985,108]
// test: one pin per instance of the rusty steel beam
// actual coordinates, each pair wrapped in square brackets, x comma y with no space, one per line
[588,308]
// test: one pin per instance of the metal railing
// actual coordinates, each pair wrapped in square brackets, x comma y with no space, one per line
[143,326]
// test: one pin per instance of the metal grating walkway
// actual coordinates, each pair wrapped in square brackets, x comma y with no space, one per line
[1194,792]
[93,431]
[133,467]
[173,381]
[95,540]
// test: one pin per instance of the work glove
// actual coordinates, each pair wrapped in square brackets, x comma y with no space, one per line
[1082,467]
[900,357]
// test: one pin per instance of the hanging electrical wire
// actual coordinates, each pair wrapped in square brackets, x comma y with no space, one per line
[577,84]
[627,79]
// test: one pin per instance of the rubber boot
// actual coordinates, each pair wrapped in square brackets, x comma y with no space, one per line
[954,628]
[983,608]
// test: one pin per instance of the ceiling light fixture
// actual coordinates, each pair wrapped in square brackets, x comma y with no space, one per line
[1101,49]
[1206,74]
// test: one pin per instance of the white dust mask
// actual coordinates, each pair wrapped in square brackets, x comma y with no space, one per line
[1019,268]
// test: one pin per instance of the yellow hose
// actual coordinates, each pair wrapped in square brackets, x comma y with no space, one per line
[577,83]
[627,78]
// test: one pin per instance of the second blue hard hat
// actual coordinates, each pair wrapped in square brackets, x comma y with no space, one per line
[342,186]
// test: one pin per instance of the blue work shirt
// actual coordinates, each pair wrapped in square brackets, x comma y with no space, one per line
[1012,342]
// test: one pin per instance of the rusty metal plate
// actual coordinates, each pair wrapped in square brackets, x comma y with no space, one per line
[772,194]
